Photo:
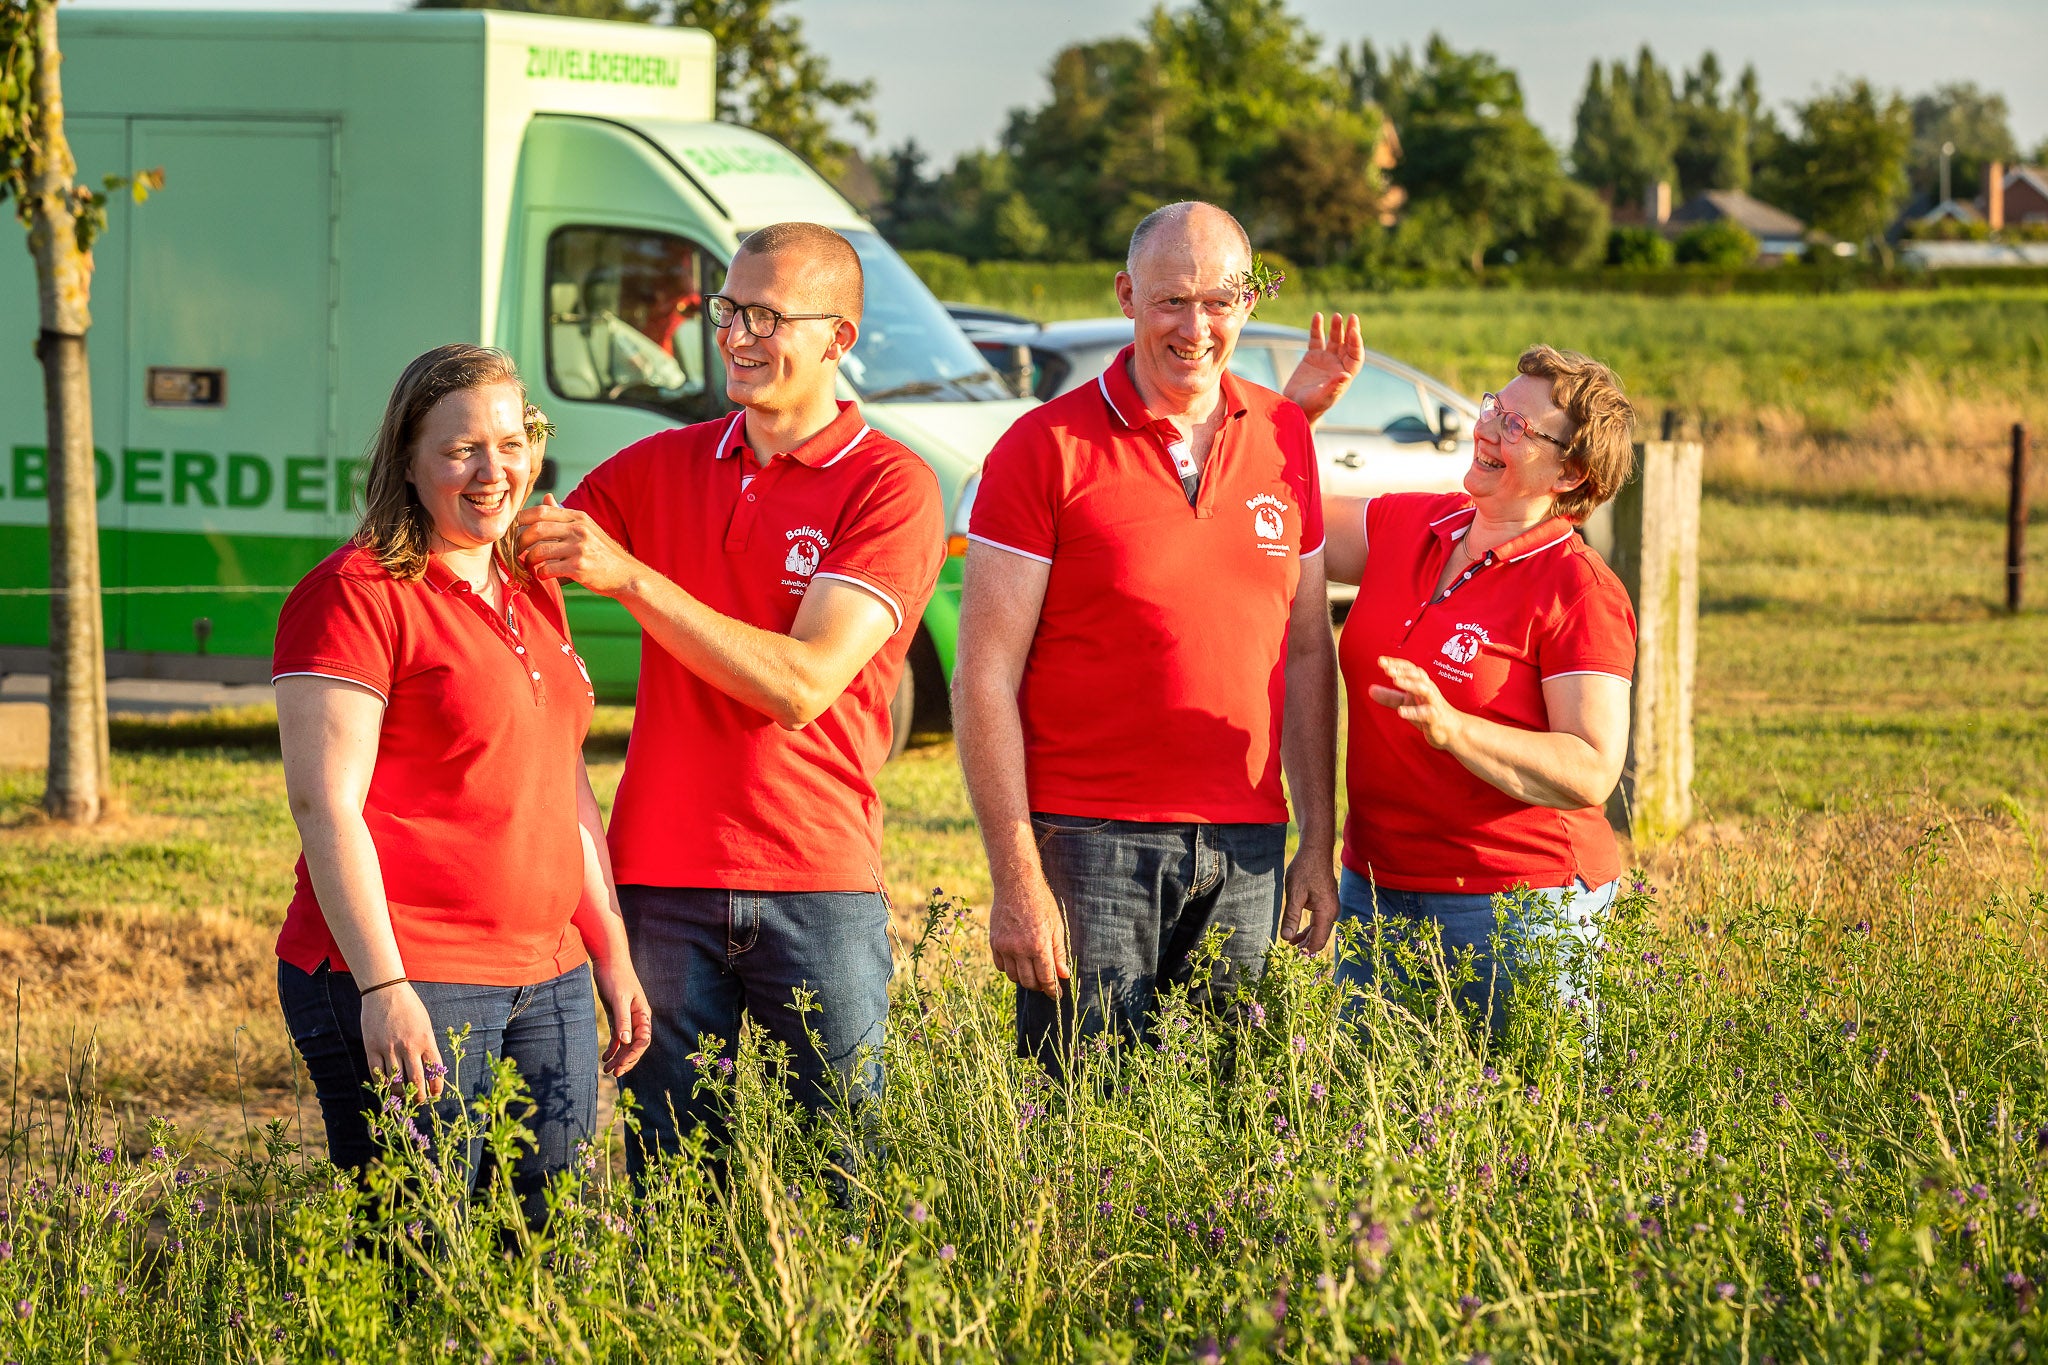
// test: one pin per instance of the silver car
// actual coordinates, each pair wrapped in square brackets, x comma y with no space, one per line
[1396,429]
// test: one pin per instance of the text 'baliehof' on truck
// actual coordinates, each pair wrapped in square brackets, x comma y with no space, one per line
[345,191]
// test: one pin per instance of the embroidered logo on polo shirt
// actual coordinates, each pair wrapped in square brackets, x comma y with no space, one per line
[807,546]
[1462,648]
[1267,524]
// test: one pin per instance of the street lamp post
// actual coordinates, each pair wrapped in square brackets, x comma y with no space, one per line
[1948,149]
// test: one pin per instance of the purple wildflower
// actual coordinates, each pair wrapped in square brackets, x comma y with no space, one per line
[1725,1290]
[946,1252]
[1697,1144]
[918,1212]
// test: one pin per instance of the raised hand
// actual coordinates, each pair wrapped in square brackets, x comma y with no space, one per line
[1415,698]
[1334,358]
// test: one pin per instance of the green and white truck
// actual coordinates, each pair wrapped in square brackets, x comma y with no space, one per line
[344,191]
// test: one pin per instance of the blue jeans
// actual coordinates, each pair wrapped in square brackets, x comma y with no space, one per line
[1138,898]
[706,957]
[1469,921]
[547,1030]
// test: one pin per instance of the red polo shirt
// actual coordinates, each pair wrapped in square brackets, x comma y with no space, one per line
[715,793]
[472,804]
[1541,606]
[1155,683]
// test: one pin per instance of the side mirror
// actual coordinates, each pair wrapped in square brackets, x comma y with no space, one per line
[1450,426]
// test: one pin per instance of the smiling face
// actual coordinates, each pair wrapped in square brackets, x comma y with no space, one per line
[1185,313]
[799,365]
[1514,479]
[471,465]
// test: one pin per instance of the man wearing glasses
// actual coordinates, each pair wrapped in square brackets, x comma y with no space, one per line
[778,561]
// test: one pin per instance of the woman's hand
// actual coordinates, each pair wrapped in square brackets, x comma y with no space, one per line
[1416,700]
[1332,361]
[625,1005]
[398,1039]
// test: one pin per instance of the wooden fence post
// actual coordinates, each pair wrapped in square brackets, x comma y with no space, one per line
[2016,521]
[1650,536]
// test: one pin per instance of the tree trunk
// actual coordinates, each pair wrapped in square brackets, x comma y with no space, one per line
[79,785]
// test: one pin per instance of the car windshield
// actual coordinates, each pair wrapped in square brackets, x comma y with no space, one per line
[1379,400]
[909,348]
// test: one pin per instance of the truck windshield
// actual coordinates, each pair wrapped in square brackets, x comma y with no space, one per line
[909,348]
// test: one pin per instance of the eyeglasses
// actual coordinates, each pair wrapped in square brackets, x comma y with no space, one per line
[758,318]
[1513,425]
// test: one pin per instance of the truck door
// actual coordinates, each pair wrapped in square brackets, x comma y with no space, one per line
[228,478]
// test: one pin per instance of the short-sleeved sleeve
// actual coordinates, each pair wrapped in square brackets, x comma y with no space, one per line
[338,623]
[606,492]
[1302,471]
[894,543]
[1016,506]
[1595,633]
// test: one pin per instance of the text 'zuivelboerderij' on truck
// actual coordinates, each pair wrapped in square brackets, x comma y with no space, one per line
[310,241]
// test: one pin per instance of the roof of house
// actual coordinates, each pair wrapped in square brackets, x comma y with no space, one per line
[1753,216]
[2033,175]
[1949,208]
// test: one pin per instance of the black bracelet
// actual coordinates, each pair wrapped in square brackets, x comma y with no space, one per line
[371,990]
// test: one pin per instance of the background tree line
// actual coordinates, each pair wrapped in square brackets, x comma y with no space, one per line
[1232,100]
[1395,160]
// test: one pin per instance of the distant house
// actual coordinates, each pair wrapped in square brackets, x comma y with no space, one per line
[1778,234]
[2014,196]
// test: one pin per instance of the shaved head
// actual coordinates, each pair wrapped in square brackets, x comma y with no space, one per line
[1184,225]
[832,275]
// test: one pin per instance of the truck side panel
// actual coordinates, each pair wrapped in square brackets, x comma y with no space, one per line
[237,305]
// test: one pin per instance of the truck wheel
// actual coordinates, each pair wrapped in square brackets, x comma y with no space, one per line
[902,710]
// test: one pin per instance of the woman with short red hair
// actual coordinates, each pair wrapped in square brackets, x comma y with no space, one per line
[1488,661]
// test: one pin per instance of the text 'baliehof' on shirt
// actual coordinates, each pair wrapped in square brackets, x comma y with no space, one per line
[1157,678]
[716,794]
[1541,607]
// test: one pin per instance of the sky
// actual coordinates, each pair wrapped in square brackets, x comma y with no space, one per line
[947,72]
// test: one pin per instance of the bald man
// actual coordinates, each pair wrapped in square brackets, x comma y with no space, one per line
[1144,648]
[778,561]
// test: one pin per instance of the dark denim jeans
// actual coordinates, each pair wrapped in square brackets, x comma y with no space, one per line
[548,1030]
[708,956]
[1469,921]
[1138,897]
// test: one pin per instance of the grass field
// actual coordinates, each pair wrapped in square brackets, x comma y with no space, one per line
[1808,1130]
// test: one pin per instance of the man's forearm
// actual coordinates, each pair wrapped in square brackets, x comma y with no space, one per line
[775,674]
[990,731]
[1308,739]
